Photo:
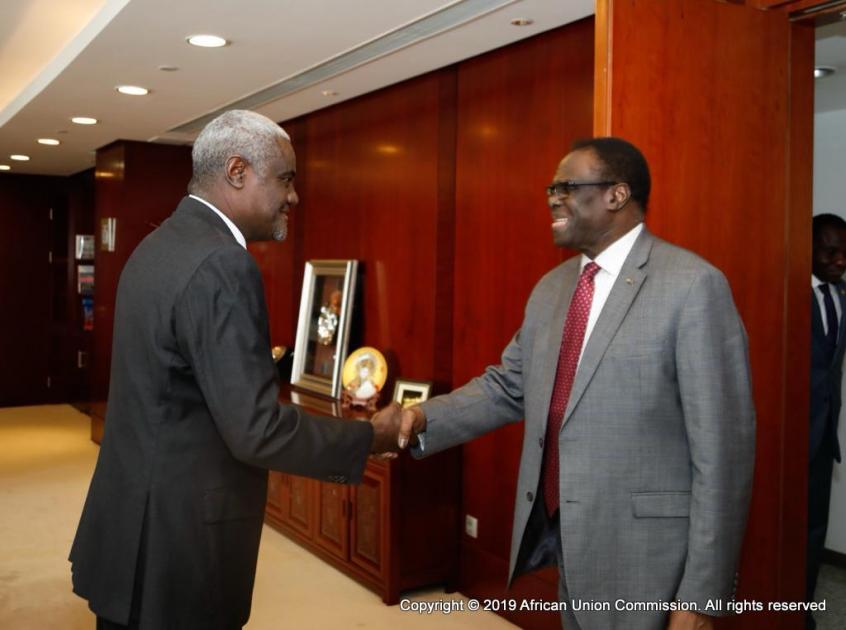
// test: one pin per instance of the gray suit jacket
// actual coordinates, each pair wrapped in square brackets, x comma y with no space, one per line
[170,530]
[657,445]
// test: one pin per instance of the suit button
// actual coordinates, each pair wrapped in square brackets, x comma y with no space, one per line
[540,442]
[530,497]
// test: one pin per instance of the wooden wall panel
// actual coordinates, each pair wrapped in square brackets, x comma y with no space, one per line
[140,185]
[519,109]
[80,220]
[369,191]
[704,89]
[25,281]
[795,397]
[42,322]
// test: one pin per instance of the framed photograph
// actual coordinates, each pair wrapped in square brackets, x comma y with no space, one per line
[323,327]
[84,247]
[408,393]
[108,226]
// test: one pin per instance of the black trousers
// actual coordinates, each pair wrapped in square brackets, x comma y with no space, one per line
[105,624]
[819,497]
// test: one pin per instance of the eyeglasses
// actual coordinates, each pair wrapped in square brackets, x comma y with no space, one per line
[565,189]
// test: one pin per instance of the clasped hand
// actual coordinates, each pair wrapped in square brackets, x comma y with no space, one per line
[394,428]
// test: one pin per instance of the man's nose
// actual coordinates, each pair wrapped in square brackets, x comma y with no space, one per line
[293,198]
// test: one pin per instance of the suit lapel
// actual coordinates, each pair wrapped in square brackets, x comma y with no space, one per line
[840,293]
[623,293]
[548,343]
[817,330]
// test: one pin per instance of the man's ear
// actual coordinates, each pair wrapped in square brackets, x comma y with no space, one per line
[235,169]
[619,195]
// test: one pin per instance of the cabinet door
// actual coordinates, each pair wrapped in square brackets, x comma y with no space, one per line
[300,509]
[369,522]
[333,519]
[277,495]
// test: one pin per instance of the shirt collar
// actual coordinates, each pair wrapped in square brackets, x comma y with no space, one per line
[611,258]
[232,227]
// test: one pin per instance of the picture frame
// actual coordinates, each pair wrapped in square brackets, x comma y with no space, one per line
[108,229]
[408,392]
[323,325]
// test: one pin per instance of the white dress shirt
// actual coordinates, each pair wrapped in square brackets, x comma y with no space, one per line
[815,286]
[610,261]
[232,227]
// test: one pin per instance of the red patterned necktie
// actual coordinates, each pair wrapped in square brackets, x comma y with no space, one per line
[568,360]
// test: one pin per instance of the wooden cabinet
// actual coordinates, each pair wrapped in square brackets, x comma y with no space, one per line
[395,531]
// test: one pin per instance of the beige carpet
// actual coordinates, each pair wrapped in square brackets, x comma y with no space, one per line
[46,461]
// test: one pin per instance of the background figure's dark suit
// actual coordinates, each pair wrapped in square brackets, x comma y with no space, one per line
[824,449]
[175,508]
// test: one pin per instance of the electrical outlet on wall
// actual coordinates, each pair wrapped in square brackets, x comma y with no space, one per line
[471,526]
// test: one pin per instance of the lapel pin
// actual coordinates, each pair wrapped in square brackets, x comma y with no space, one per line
[629,281]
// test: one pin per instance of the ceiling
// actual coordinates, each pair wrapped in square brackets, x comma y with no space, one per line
[64,59]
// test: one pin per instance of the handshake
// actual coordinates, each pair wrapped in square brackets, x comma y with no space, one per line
[394,428]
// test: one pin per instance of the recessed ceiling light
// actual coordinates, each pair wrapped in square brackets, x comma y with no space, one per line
[329,93]
[84,120]
[132,90]
[522,21]
[19,158]
[207,41]
[5,167]
[52,142]
[823,71]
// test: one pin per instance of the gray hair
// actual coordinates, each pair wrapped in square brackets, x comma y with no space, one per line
[235,132]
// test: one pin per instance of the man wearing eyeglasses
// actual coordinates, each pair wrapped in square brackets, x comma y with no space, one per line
[631,372]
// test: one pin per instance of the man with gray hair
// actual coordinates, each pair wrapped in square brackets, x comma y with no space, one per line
[170,530]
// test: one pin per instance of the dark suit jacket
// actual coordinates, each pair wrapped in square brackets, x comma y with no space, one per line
[826,377]
[178,494]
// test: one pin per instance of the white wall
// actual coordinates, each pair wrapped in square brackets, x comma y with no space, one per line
[830,196]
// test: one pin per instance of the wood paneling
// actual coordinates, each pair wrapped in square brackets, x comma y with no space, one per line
[795,398]
[704,89]
[376,183]
[369,522]
[519,109]
[370,192]
[26,284]
[140,185]
[69,320]
[332,526]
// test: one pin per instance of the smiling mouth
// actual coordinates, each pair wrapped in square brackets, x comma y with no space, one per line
[560,222]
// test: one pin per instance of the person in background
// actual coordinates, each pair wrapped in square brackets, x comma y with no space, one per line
[827,349]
